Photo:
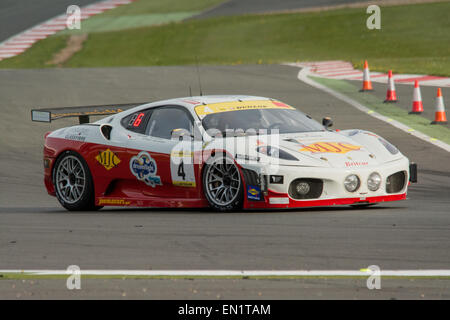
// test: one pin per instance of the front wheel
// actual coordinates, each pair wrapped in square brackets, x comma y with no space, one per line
[73,183]
[222,184]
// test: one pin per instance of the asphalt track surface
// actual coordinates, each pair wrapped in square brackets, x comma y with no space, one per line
[36,233]
[18,15]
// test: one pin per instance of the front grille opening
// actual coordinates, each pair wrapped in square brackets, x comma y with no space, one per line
[305,188]
[396,182]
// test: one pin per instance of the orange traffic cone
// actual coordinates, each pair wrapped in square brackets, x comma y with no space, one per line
[439,116]
[391,95]
[367,84]
[417,107]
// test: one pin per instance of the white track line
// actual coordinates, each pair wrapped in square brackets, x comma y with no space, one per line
[303,76]
[244,273]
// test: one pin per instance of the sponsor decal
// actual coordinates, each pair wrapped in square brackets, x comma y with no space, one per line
[191,101]
[75,137]
[182,153]
[144,168]
[107,159]
[279,200]
[281,104]
[204,110]
[113,202]
[184,183]
[330,147]
[253,193]
[356,163]
[77,134]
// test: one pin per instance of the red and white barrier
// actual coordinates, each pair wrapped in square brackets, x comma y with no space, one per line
[339,69]
[19,43]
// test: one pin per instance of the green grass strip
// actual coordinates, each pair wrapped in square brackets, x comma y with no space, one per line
[38,55]
[114,23]
[161,6]
[372,102]
[143,13]
[413,39]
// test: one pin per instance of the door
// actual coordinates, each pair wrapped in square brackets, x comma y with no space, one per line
[162,165]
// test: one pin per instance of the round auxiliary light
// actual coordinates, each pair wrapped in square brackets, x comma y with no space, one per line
[352,183]
[374,181]
[302,188]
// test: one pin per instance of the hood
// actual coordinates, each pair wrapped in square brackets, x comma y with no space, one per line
[344,149]
[337,150]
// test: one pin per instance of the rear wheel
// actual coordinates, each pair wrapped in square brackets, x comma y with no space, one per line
[73,183]
[222,184]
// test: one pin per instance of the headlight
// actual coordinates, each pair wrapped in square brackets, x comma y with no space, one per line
[352,183]
[374,181]
[275,152]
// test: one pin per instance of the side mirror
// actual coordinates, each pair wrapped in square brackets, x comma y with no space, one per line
[327,122]
[181,134]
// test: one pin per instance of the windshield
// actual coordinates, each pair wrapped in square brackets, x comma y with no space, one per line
[284,120]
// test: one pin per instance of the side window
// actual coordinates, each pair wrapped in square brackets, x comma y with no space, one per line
[164,120]
[136,121]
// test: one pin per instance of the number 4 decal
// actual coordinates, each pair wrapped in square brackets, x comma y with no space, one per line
[182,168]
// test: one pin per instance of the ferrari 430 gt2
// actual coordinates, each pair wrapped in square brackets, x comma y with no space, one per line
[225,152]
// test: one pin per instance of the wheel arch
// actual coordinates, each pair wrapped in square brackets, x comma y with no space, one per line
[224,153]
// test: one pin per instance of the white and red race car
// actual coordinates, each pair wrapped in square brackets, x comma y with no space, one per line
[225,152]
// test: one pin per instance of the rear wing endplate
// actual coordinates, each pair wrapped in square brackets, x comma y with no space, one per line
[83,112]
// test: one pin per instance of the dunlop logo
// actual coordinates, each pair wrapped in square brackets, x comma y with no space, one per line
[108,159]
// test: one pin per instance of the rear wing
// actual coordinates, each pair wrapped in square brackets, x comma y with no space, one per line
[83,112]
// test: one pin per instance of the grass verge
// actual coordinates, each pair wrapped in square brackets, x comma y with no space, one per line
[414,121]
[143,13]
[412,39]
[157,6]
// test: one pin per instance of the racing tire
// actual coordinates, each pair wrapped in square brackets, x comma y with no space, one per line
[73,183]
[223,184]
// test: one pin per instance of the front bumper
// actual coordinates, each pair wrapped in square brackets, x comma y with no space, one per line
[283,201]
[276,195]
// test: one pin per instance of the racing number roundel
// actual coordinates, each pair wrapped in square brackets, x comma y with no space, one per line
[182,168]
